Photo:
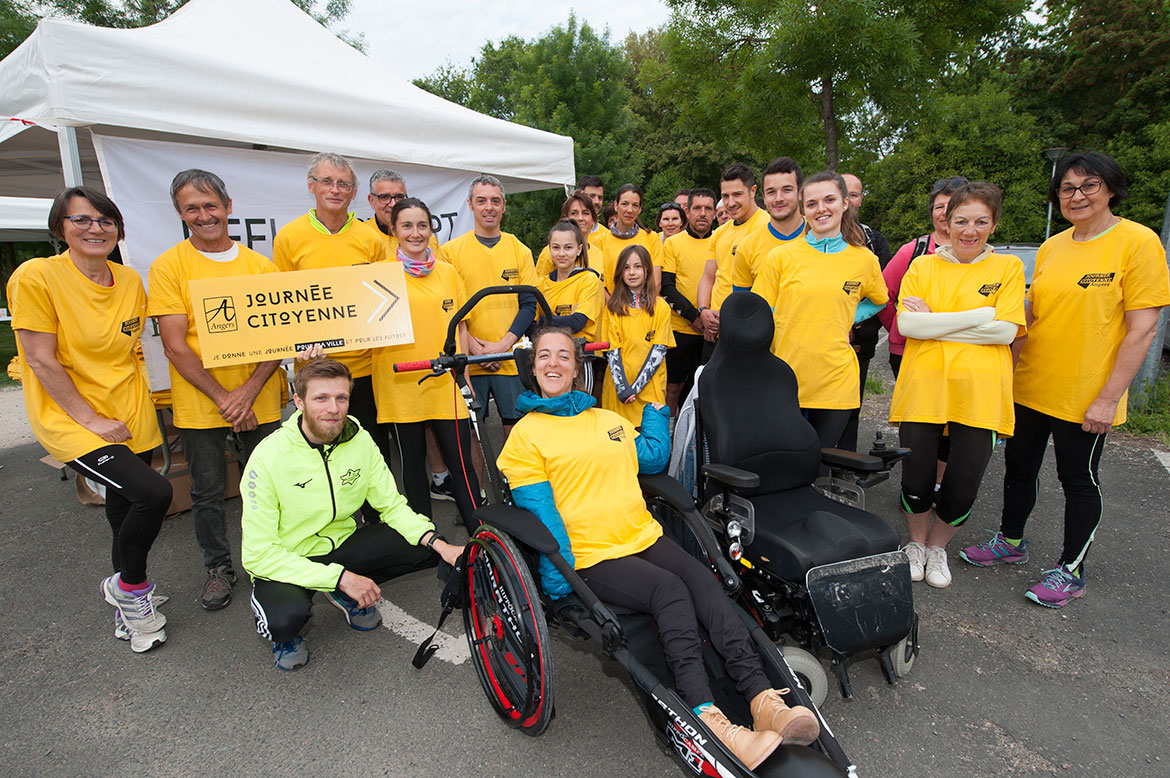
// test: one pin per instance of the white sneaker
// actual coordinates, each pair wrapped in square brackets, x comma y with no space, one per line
[917,554]
[938,574]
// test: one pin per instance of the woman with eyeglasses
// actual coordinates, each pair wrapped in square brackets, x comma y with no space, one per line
[77,318]
[672,219]
[1092,314]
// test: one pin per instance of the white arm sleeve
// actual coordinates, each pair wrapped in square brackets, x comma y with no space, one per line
[994,332]
[933,326]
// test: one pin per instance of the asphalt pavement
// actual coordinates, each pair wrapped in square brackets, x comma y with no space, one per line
[1002,686]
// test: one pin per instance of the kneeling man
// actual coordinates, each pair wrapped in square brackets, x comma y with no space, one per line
[304,483]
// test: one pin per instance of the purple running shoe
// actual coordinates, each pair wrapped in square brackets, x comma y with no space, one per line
[995,551]
[1058,588]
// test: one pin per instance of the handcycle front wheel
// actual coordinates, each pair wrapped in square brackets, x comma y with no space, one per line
[507,632]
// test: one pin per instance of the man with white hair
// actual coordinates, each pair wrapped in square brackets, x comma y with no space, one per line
[387,189]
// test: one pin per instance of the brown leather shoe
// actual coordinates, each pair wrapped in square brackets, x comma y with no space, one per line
[749,747]
[797,725]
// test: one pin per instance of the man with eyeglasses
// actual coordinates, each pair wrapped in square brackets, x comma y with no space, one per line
[330,235]
[208,403]
[387,189]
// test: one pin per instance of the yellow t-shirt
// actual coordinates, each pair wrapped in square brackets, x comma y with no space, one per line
[389,242]
[610,246]
[306,244]
[97,329]
[724,246]
[591,463]
[634,334]
[1080,293]
[508,262]
[686,256]
[579,293]
[400,398]
[169,277]
[814,296]
[967,383]
[752,251]
[544,263]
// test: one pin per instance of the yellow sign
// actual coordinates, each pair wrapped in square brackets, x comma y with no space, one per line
[274,315]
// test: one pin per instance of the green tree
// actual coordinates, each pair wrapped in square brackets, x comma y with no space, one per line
[570,81]
[769,70]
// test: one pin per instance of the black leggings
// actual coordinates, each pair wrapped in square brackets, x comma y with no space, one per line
[675,589]
[454,441]
[137,498]
[828,422]
[376,551]
[1078,456]
[971,449]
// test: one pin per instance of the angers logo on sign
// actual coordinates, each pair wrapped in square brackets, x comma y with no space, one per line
[448,304]
[131,326]
[220,313]
[988,289]
[617,434]
[849,287]
[1095,279]
[511,274]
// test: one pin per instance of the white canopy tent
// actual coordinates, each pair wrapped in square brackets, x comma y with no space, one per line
[257,74]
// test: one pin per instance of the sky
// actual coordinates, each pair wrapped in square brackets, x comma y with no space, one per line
[416,37]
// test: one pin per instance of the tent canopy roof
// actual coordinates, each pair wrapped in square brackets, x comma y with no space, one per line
[257,73]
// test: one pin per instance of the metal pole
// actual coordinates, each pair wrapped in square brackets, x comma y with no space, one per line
[1140,389]
[1048,227]
[70,156]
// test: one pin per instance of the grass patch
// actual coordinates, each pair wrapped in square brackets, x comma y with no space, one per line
[1154,419]
[7,352]
[874,385]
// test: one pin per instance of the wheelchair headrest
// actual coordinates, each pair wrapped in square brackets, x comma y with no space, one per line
[745,323]
[524,367]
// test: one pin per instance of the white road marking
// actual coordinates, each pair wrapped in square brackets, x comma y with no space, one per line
[1164,458]
[451,649]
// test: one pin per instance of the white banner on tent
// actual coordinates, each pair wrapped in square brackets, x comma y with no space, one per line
[268,190]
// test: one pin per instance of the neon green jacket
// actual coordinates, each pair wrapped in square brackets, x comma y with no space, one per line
[299,502]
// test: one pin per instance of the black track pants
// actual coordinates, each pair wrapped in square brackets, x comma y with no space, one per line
[454,441]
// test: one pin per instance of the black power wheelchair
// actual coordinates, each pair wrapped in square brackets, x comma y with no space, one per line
[816,566]
[507,617]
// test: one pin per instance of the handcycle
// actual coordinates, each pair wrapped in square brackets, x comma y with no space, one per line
[507,616]
[818,570]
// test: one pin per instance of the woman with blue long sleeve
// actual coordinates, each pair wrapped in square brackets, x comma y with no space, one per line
[576,467]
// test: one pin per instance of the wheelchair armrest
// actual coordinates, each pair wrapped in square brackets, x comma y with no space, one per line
[521,525]
[679,499]
[732,477]
[889,456]
[851,460]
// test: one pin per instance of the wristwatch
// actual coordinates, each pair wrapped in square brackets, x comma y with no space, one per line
[434,536]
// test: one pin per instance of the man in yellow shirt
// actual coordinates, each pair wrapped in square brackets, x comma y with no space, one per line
[592,186]
[387,189]
[738,190]
[684,261]
[782,179]
[208,403]
[330,235]
[486,256]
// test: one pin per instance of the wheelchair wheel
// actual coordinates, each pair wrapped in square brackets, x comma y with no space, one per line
[810,671]
[507,632]
[905,652]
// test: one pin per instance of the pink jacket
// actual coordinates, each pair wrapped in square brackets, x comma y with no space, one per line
[893,273]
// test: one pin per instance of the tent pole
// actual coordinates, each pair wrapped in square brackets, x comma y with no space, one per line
[70,156]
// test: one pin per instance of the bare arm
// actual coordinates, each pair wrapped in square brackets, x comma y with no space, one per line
[40,351]
[708,317]
[1140,327]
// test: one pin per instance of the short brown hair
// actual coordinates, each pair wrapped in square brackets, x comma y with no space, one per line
[980,191]
[102,204]
[319,368]
[578,354]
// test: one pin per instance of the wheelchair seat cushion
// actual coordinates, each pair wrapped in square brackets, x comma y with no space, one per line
[800,529]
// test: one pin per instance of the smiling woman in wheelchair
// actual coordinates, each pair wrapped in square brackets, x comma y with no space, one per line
[575,467]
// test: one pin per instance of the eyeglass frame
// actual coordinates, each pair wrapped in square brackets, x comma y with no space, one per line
[386,197]
[89,220]
[329,183]
[942,183]
[1072,190]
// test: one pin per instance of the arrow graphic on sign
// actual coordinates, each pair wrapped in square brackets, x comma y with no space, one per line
[389,300]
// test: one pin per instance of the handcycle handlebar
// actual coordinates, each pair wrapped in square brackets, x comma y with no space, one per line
[518,289]
[456,361]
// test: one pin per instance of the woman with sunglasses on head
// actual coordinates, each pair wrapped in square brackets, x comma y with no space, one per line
[576,468]
[1092,314]
[961,308]
[78,317]
[578,208]
[672,219]
[435,292]
[818,285]
[625,230]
